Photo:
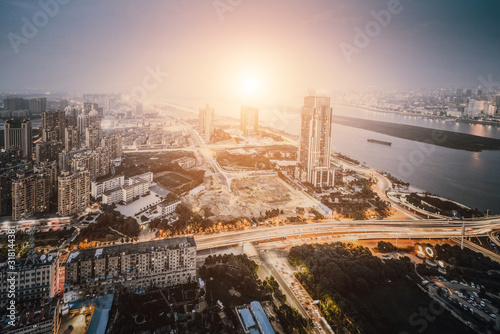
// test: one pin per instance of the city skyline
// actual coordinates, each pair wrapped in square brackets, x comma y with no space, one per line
[419,45]
[232,166]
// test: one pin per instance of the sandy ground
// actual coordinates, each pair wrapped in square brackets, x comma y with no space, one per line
[249,197]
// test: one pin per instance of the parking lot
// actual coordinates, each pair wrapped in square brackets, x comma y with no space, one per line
[465,296]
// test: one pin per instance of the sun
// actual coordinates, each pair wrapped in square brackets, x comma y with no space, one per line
[251,85]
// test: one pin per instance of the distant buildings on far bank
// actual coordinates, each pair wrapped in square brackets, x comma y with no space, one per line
[206,120]
[249,121]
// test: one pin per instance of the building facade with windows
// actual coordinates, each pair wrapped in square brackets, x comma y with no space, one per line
[130,267]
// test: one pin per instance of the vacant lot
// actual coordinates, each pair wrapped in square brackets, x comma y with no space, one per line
[270,190]
[171,180]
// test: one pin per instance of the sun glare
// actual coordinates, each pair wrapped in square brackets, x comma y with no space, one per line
[250,85]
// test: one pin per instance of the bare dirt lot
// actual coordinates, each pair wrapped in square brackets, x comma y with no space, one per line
[269,189]
[249,197]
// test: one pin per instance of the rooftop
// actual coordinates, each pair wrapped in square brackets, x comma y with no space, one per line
[33,315]
[141,247]
[23,265]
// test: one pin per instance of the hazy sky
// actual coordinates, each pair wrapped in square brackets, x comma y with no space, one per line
[281,47]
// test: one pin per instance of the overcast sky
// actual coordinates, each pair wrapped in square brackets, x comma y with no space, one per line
[285,46]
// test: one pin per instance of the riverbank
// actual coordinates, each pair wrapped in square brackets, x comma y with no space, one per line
[448,139]
[387,111]
[407,113]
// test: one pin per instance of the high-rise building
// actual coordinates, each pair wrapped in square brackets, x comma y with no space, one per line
[101,99]
[206,122]
[476,108]
[37,105]
[53,125]
[139,109]
[97,162]
[11,157]
[316,141]
[71,116]
[6,176]
[73,192]
[14,103]
[17,133]
[71,139]
[48,151]
[32,192]
[92,137]
[496,100]
[249,121]
[131,267]
[85,121]
[63,104]
[114,144]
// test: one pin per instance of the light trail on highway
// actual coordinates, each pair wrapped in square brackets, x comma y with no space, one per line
[431,229]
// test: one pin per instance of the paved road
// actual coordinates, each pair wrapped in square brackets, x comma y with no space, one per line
[355,229]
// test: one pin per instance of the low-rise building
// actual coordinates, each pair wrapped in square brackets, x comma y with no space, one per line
[167,208]
[130,189]
[130,267]
[185,162]
[98,188]
[253,319]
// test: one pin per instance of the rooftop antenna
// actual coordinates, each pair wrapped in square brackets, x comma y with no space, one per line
[31,252]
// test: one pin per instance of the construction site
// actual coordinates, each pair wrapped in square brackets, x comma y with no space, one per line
[248,197]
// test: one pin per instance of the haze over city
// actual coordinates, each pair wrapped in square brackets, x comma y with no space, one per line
[209,49]
[249,167]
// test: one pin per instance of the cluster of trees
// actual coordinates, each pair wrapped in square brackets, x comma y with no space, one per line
[240,272]
[141,312]
[271,213]
[233,271]
[138,163]
[110,218]
[264,134]
[465,258]
[291,320]
[257,160]
[241,260]
[347,158]
[51,238]
[337,274]
[387,247]
[355,206]
[437,205]
[220,135]
[190,222]
[21,250]
[271,287]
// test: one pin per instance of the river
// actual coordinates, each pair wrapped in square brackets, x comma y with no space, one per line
[471,178]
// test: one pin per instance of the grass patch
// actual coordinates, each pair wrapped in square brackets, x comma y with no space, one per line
[172,180]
